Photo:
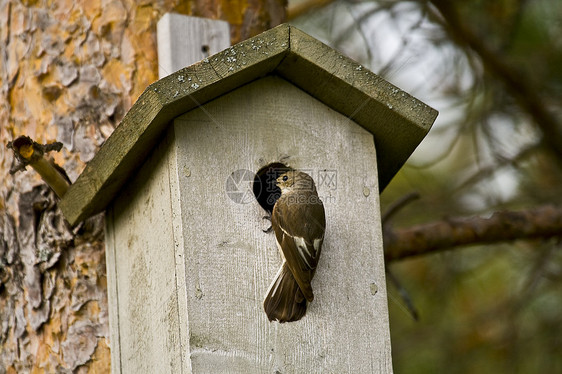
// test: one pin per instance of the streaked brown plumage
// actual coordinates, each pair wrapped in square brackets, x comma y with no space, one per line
[299,222]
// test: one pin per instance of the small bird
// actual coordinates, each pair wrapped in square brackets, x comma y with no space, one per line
[299,222]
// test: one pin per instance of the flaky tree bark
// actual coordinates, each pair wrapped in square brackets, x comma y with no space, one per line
[69,71]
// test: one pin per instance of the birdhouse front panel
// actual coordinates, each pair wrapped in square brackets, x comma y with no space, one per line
[190,259]
[230,261]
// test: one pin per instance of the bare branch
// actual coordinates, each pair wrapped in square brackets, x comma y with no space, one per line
[539,223]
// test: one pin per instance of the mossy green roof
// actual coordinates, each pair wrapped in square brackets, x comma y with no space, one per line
[397,120]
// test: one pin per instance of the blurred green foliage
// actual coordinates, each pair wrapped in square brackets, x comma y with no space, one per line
[483,309]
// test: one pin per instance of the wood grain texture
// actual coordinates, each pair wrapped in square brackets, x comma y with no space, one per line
[145,320]
[230,262]
[398,121]
[184,40]
[188,267]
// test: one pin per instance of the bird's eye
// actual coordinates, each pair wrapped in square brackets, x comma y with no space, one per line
[285,178]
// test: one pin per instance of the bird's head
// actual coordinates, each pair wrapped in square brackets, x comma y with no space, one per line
[295,180]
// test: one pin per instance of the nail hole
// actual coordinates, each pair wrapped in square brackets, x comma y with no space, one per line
[205,50]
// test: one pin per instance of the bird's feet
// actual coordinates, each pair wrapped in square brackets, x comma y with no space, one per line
[267,218]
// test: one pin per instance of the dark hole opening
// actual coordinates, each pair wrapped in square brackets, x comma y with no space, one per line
[264,187]
[205,50]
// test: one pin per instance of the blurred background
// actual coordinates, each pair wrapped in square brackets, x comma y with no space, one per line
[493,69]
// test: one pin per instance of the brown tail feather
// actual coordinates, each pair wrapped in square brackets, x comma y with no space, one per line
[284,301]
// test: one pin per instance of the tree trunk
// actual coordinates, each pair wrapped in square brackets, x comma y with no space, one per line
[69,71]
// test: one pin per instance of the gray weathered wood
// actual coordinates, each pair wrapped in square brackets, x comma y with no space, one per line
[142,289]
[191,266]
[398,121]
[184,40]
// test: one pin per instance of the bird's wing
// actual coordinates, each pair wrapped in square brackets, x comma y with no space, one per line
[299,231]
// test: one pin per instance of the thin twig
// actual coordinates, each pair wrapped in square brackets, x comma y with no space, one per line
[526,95]
[398,205]
[403,294]
[29,152]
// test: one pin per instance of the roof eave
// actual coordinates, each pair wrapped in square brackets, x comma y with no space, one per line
[398,121]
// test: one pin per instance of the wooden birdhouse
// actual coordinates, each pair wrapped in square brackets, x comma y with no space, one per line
[185,182]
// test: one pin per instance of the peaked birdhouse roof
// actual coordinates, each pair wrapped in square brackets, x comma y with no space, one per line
[397,120]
